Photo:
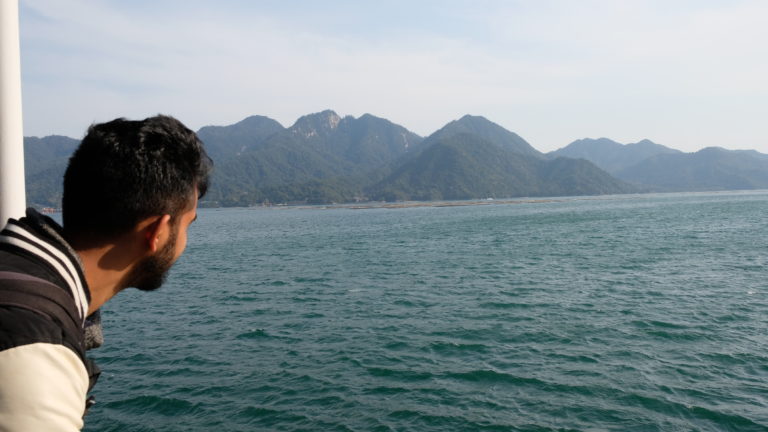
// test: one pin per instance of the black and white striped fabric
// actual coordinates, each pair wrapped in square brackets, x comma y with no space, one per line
[21,239]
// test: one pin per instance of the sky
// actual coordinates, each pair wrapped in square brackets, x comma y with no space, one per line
[687,74]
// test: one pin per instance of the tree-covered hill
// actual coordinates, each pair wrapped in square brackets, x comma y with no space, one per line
[45,160]
[488,131]
[466,166]
[222,142]
[610,155]
[321,158]
[653,167]
[709,169]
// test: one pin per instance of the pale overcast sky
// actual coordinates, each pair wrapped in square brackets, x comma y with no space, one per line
[684,73]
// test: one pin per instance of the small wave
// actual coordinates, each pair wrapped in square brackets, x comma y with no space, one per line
[577,358]
[155,404]
[206,391]
[682,337]
[197,361]
[306,300]
[469,334]
[139,358]
[396,346]
[269,416]
[253,334]
[658,324]
[457,348]
[177,371]
[692,412]
[326,401]
[413,303]
[427,421]
[240,299]
[737,422]
[404,375]
[731,317]
[736,359]
[491,376]
[385,391]
[312,280]
[502,305]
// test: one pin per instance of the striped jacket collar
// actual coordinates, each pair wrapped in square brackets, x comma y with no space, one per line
[40,236]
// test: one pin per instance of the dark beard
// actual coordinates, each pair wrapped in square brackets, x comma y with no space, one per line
[151,272]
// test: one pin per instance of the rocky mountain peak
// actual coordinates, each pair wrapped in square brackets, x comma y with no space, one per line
[316,124]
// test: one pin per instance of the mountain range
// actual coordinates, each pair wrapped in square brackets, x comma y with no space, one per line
[654,167]
[324,158]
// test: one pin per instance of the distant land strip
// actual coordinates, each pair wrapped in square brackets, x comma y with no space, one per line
[413,204]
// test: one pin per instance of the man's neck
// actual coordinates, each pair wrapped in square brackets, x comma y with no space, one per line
[103,282]
[106,266]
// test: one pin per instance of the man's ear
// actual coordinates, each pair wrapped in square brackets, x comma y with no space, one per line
[157,226]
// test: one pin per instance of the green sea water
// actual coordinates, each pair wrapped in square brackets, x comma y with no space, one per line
[619,313]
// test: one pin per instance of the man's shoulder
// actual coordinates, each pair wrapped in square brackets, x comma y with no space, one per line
[21,323]
[20,326]
[24,262]
[34,306]
[34,311]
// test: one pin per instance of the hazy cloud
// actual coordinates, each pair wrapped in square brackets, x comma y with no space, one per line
[687,74]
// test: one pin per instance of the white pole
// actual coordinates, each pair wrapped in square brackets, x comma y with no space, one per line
[12,194]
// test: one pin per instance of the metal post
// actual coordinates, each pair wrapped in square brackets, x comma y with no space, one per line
[12,194]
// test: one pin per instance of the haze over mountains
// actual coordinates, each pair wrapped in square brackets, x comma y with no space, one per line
[654,167]
[325,158]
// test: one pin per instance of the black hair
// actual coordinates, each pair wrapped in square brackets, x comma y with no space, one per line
[125,171]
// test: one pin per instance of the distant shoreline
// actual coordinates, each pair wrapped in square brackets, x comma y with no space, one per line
[481,202]
[409,204]
[414,204]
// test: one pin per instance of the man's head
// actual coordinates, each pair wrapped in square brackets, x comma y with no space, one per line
[126,172]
